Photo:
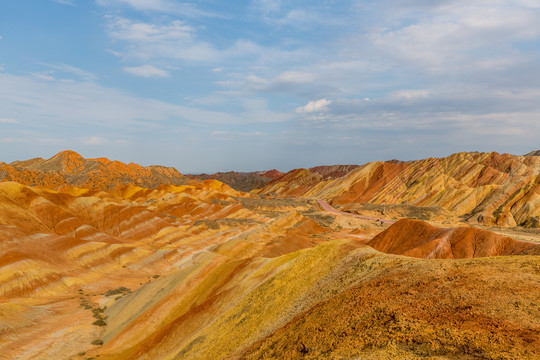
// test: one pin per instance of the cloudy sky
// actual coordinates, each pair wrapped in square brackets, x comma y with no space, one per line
[248,85]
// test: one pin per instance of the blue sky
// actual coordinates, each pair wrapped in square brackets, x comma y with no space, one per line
[250,85]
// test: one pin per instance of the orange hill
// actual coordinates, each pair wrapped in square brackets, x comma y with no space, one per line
[70,168]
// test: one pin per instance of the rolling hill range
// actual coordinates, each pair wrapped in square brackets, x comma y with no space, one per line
[70,168]
[483,188]
[203,271]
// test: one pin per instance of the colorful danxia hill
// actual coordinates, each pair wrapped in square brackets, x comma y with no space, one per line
[429,259]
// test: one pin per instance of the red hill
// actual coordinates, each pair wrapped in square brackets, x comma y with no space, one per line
[419,239]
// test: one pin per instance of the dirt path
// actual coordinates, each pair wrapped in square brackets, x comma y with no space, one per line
[329,208]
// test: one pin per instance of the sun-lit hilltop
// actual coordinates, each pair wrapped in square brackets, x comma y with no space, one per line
[486,188]
[203,271]
[70,168]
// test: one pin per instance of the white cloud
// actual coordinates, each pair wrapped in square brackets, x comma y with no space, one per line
[147,71]
[474,110]
[164,6]
[218,69]
[453,36]
[8,121]
[93,140]
[115,53]
[314,106]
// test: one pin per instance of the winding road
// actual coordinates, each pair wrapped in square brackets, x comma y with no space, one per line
[329,208]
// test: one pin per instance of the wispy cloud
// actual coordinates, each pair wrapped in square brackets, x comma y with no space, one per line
[88,103]
[8,121]
[176,40]
[163,6]
[221,132]
[268,6]
[43,76]
[93,140]
[68,69]
[131,30]
[296,82]
[147,71]
[173,40]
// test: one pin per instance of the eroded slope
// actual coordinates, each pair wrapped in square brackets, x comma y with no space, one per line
[486,188]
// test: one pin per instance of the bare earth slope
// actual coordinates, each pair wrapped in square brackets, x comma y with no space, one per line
[486,188]
[61,251]
[69,168]
[420,239]
[419,310]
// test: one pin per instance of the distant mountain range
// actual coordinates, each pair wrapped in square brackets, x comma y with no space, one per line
[242,181]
